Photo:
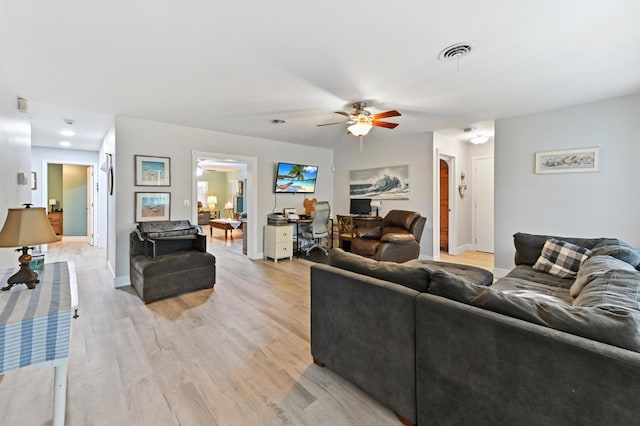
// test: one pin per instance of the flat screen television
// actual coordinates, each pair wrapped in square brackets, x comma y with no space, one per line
[360,206]
[296,178]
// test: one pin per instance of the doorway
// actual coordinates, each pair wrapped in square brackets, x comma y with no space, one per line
[68,191]
[444,205]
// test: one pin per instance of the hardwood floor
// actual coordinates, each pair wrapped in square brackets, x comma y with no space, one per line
[235,355]
[474,258]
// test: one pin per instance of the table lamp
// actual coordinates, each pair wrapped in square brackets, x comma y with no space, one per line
[52,203]
[25,227]
[212,200]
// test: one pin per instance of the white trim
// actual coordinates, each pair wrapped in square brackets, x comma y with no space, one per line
[75,238]
[122,281]
[453,200]
[460,249]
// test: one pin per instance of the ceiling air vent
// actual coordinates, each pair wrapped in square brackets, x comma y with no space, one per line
[455,52]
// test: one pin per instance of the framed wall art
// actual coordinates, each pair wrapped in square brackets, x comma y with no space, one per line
[382,183]
[152,206]
[34,181]
[153,171]
[568,161]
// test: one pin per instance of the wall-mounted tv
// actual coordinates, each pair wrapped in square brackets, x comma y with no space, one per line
[296,178]
[360,206]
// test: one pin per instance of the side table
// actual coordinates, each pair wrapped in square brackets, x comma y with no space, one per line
[35,326]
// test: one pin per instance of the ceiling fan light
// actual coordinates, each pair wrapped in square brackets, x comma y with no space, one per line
[359,128]
[479,139]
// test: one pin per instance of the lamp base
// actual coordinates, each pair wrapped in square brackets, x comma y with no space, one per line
[24,276]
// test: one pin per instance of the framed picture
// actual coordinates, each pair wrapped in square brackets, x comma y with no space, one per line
[382,183]
[568,161]
[34,181]
[153,171]
[151,206]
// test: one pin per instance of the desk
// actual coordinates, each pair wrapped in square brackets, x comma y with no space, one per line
[35,326]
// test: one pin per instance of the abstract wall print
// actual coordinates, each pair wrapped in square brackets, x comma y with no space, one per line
[153,171]
[152,206]
[568,161]
[382,183]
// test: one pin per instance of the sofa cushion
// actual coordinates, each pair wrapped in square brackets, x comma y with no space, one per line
[412,276]
[470,273]
[612,290]
[561,258]
[619,327]
[529,246]
[595,266]
[618,249]
[530,275]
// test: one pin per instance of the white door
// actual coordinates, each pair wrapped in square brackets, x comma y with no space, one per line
[90,184]
[483,199]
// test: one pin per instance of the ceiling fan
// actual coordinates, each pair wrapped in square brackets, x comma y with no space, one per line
[361,121]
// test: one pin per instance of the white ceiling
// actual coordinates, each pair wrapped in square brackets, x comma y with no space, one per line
[235,66]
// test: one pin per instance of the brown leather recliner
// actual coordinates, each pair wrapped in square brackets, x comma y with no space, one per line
[397,240]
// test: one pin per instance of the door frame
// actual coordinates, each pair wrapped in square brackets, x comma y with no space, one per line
[44,179]
[250,191]
[474,198]
[453,202]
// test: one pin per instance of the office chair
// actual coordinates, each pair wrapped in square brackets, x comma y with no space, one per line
[318,228]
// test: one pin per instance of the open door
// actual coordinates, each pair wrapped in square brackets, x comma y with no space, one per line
[444,205]
[90,186]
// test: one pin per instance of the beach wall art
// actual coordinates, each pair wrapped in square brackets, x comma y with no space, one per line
[568,161]
[381,183]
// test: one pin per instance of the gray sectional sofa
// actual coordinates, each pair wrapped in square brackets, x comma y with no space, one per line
[440,347]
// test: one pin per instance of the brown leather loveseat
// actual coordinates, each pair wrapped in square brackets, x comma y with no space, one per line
[397,240]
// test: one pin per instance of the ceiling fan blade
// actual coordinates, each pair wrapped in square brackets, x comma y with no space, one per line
[385,124]
[386,114]
[330,124]
[346,114]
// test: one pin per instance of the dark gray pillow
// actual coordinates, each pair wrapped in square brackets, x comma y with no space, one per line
[618,249]
[411,276]
[618,327]
[612,290]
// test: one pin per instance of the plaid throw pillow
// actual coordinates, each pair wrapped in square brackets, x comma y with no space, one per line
[561,258]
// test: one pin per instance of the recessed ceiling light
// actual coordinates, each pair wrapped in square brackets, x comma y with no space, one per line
[278,121]
[65,143]
[67,133]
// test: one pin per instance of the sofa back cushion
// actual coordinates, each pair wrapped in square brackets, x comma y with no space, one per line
[594,267]
[412,276]
[529,246]
[619,327]
[618,249]
[613,290]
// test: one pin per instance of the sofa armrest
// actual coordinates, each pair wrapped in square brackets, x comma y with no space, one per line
[397,238]
[363,328]
[470,361]
[398,252]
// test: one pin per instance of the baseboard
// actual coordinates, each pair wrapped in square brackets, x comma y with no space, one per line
[461,249]
[499,272]
[122,281]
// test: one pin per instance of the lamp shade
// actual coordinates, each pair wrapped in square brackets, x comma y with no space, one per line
[27,226]
[212,199]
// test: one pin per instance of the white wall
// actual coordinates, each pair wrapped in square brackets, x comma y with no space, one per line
[135,136]
[40,155]
[382,149]
[15,146]
[605,203]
